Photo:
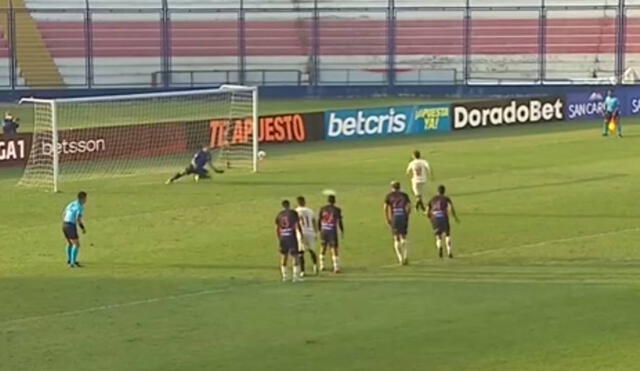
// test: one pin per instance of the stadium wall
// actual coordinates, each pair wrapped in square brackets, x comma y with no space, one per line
[102,44]
[346,91]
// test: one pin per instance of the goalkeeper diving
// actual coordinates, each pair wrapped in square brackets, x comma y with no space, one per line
[198,167]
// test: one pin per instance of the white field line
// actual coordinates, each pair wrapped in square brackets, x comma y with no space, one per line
[476,280]
[108,307]
[534,244]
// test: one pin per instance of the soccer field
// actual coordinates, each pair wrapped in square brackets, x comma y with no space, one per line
[185,277]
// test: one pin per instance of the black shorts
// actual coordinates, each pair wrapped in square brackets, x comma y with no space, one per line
[70,231]
[289,246]
[609,115]
[329,238]
[400,226]
[204,173]
[440,226]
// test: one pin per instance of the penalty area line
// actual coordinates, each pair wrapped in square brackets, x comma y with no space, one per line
[108,307]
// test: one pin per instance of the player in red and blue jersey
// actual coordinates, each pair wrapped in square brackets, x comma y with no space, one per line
[287,229]
[397,208]
[439,208]
[329,223]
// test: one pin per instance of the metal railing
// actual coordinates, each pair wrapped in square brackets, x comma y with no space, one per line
[388,43]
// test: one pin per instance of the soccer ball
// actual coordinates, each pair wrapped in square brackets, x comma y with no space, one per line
[328,192]
[262,155]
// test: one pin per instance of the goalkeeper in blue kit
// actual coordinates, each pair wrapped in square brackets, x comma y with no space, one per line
[198,167]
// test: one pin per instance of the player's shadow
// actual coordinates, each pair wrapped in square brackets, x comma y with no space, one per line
[553,216]
[542,185]
[208,266]
[204,266]
[270,183]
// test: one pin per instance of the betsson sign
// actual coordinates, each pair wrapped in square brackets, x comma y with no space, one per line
[507,112]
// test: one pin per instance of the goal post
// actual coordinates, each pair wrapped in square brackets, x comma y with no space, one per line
[42,168]
[119,135]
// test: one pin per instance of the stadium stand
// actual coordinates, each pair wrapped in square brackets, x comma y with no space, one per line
[126,37]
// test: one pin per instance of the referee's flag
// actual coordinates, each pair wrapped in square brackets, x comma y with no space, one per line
[613,125]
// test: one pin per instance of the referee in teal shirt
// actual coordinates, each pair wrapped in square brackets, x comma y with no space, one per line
[611,110]
[72,220]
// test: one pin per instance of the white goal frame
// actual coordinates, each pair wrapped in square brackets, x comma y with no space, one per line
[53,103]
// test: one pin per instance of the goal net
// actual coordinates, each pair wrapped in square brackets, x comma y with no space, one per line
[111,136]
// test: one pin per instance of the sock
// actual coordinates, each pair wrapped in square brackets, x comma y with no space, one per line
[74,254]
[404,245]
[301,261]
[321,261]
[296,272]
[69,253]
[438,243]
[336,262]
[396,247]
[449,247]
[283,270]
[314,257]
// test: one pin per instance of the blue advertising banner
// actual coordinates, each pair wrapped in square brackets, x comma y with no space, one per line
[387,121]
[630,103]
[580,106]
[589,105]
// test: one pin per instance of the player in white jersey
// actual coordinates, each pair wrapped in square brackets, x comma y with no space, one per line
[420,172]
[307,239]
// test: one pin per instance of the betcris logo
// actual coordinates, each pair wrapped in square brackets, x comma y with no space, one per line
[388,121]
[367,122]
[430,118]
[584,105]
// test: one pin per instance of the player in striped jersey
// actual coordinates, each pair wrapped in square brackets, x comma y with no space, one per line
[307,237]
[331,229]
[287,227]
[397,208]
[439,208]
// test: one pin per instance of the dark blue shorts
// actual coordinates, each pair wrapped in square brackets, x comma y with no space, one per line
[70,231]
[202,172]
[609,115]
[329,238]
[441,226]
[400,226]
[289,246]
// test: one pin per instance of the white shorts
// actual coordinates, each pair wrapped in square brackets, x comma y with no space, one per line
[307,241]
[418,188]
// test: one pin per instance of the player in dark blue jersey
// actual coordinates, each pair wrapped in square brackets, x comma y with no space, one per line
[397,208]
[329,223]
[198,166]
[439,208]
[287,230]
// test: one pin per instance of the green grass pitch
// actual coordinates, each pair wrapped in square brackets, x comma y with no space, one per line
[185,277]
